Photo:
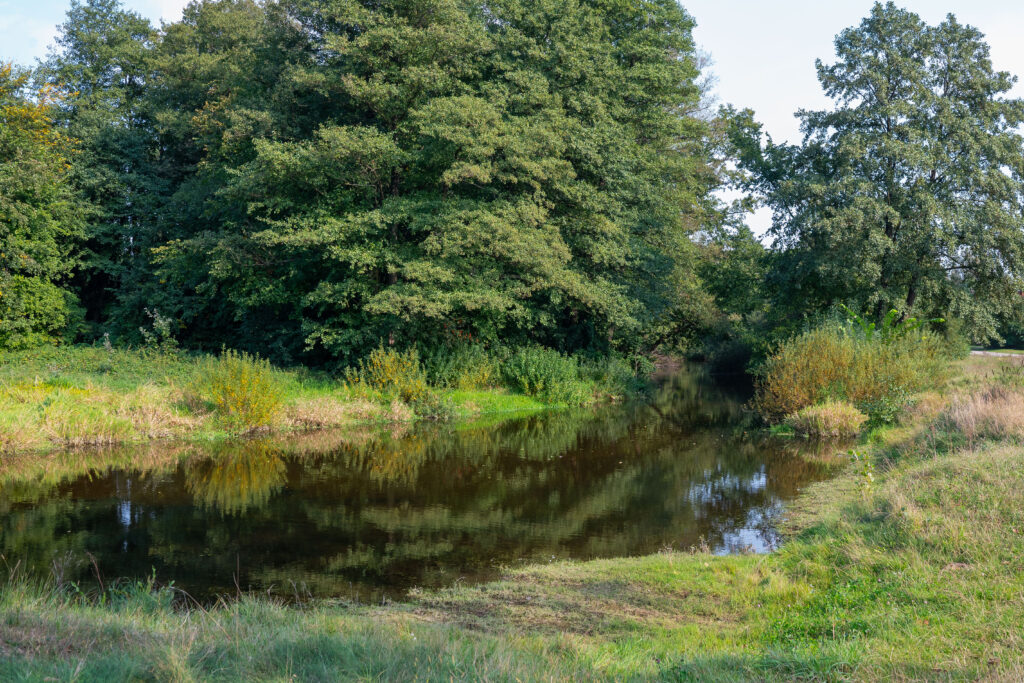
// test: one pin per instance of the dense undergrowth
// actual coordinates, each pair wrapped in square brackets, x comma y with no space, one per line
[832,379]
[907,566]
[76,396]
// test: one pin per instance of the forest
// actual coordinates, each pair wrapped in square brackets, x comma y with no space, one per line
[308,180]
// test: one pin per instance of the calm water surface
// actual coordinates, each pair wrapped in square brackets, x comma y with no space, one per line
[368,514]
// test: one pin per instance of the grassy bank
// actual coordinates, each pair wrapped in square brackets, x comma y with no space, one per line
[909,565]
[60,397]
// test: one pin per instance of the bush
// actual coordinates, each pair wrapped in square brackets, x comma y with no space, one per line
[829,419]
[617,376]
[547,374]
[832,363]
[244,390]
[465,367]
[392,373]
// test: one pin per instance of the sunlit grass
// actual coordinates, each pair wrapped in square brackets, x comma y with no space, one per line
[53,398]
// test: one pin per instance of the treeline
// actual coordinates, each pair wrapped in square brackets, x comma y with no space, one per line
[312,179]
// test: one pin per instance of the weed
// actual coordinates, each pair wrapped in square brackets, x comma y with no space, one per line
[243,390]
[159,335]
[464,368]
[392,373]
[547,374]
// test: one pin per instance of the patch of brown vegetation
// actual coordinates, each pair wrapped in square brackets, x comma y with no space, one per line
[993,412]
[320,413]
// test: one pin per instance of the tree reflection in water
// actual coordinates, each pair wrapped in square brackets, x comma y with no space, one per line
[374,512]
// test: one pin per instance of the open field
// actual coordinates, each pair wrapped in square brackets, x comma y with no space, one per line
[909,565]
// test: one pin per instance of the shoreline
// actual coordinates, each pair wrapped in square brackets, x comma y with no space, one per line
[54,399]
[913,572]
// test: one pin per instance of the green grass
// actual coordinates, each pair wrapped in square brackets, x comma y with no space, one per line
[916,574]
[58,397]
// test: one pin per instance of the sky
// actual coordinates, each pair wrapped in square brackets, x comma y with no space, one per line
[762,51]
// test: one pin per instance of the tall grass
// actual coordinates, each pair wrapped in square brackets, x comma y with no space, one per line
[828,419]
[833,362]
[995,412]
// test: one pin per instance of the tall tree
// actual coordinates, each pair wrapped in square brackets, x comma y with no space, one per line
[908,193]
[439,169]
[101,65]
[40,218]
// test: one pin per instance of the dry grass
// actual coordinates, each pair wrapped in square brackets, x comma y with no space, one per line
[828,419]
[994,412]
[324,412]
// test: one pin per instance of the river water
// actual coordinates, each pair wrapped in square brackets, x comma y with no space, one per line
[368,513]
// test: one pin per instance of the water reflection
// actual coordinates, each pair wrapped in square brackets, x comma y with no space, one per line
[369,512]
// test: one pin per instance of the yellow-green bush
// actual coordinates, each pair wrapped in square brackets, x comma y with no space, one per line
[832,362]
[392,373]
[831,418]
[244,390]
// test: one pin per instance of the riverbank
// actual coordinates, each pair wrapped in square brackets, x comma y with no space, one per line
[906,566]
[55,398]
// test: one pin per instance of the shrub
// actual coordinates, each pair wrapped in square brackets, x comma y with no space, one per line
[617,376]
[547,374]
[875,375]
[392,373]
[464,367]
[829,419]
[244,390]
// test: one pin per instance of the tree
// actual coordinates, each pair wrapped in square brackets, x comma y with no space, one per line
[40,218]
[408,170]
[908,193]
[101,67]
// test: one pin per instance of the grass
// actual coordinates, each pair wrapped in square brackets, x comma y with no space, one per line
[54,398]
[828,419]
[916,573]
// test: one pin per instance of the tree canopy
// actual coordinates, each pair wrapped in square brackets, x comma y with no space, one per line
[908,193]
[41,217]
[310,179]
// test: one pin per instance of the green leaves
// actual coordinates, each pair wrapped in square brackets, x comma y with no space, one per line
[40,218]
[906,195]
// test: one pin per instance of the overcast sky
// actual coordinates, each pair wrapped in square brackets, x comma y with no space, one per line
[763,52]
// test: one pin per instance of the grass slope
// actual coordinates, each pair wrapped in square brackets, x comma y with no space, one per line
[916,572]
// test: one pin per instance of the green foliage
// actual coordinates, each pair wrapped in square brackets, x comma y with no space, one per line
[828,419]
[548,374]
[464,367]
[102,68]
[40,217]
[392,373]
[892,327]
[616,376]
[833,363]
[318,176]
[878,207]
[243,390]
